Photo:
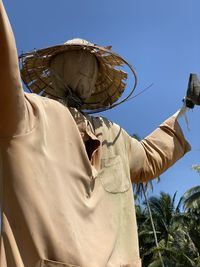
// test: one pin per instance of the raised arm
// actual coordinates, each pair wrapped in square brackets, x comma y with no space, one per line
[12,106]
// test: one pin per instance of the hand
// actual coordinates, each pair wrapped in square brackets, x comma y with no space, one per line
[193,91]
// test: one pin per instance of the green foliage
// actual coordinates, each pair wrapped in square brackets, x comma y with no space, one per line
[169,234]
[191,198]
[196,168]
[177,230]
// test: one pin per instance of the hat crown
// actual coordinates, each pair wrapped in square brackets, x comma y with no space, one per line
[78,41]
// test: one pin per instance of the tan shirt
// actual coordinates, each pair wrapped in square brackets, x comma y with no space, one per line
[62,210]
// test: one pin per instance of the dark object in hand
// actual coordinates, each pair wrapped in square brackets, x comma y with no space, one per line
[193,91]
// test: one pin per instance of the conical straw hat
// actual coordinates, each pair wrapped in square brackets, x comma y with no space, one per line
[37,76]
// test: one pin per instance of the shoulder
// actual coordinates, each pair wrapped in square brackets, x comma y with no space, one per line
[40,99]
[108,128]
[102,123]
[46,110]
[44,103]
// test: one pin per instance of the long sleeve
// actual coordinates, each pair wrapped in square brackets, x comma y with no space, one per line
[157,152]
[12,106]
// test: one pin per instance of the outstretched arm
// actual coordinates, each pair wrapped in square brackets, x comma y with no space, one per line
[12,106]
[157,152]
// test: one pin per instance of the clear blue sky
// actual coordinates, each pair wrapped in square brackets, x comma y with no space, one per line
[161,39]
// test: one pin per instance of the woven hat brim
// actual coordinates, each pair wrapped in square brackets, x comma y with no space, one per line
[110,85]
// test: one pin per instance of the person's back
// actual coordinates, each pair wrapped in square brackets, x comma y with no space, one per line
[57,211]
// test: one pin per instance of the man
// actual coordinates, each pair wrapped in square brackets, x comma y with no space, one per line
[66,177]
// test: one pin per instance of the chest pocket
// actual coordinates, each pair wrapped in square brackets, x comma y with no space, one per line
[113,176]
